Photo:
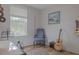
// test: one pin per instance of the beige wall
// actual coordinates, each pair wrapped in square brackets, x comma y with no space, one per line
[69,13]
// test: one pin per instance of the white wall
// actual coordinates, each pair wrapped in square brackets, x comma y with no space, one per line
[32,16]
[32,24]
[69,13]
[5,26]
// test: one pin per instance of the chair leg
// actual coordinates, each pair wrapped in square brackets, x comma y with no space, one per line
[44,45]
[34,44]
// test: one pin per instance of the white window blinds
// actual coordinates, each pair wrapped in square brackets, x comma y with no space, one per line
[18,21]
[18,11]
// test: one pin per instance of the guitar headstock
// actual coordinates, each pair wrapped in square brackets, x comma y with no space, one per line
[60,30]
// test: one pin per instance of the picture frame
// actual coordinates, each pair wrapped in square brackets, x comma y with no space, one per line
[54,17]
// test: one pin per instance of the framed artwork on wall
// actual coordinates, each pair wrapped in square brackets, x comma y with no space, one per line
[54,17]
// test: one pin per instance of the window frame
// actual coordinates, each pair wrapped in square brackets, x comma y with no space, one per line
[25,25]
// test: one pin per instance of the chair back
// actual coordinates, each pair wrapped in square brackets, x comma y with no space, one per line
[40,33]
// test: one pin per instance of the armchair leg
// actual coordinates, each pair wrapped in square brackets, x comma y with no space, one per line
[44,44]
[34,44]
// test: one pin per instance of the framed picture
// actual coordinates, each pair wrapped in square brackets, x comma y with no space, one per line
[54,18]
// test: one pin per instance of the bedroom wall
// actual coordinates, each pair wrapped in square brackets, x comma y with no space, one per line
[5,26]
[33,17]
[68,15]
[32,23]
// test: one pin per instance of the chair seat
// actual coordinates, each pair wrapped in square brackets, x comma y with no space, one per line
[39,40]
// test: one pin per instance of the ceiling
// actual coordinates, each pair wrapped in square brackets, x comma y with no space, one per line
[40,6]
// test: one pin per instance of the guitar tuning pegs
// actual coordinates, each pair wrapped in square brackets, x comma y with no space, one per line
[60,29]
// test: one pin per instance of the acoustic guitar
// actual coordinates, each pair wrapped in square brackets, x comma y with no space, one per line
[58,44]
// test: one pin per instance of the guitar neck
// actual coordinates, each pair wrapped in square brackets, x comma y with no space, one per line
[59,35]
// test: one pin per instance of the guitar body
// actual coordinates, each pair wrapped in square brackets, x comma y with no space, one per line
[58,44]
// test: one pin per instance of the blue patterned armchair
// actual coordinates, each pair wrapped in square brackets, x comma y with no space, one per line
[39,37]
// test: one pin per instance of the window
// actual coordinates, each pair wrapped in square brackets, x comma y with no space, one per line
[18,24]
